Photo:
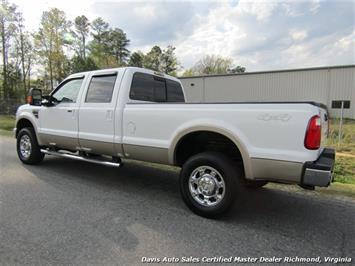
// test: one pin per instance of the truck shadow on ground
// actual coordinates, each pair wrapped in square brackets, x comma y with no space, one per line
[148,195]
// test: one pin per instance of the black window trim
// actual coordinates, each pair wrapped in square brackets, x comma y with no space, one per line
[108,74]
[113,73]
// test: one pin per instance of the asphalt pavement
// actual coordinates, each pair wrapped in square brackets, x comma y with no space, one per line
[65,212]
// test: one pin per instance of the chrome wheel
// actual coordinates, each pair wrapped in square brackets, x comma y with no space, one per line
[25,146]
[206,186]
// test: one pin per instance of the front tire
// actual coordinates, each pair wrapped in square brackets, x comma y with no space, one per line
[28,149]
[208,183]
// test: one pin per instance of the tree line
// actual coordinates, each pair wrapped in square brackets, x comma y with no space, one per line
[60,47]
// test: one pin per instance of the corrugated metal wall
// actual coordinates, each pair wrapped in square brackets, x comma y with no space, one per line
[319,84]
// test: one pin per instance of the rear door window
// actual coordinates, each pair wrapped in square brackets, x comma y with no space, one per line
[101,89]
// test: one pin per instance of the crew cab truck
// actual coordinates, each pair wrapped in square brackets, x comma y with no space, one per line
[105,115]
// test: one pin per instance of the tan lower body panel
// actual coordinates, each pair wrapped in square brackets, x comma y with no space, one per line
[146,153]
[267,169]
[277,170]
[136,152]
[98,147]
[58,141]
[67,143]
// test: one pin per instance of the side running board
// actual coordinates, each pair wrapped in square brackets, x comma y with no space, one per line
[80,158]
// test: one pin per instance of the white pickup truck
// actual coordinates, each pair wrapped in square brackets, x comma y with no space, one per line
[105,115]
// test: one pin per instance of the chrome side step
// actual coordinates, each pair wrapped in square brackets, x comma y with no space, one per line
[80,158]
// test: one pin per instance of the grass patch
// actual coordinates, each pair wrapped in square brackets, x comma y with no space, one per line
[347,141]
[339,189]
[7,122]
[344,170]
[6,133]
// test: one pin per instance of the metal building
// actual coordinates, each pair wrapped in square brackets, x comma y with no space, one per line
[328,85]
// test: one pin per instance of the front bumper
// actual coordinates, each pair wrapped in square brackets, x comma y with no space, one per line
[320,172]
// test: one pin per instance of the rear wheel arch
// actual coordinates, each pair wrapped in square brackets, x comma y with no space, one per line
[186,141]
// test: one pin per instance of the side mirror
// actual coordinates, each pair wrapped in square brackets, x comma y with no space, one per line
[47,101]
[34,97]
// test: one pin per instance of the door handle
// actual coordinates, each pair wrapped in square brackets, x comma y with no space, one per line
[71,112]
[109,114]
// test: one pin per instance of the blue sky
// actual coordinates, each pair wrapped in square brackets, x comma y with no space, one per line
[260,35]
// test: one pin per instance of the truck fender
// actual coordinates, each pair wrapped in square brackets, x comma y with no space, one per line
[30,117]
[213,126]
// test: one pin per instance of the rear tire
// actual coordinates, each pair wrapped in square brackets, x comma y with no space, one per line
[209,183]
[28,149]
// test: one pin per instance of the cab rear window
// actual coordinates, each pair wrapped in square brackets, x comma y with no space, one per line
[146,87]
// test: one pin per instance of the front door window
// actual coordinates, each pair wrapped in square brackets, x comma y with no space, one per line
[68,92]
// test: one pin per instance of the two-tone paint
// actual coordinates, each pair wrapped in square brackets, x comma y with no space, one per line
[269,136]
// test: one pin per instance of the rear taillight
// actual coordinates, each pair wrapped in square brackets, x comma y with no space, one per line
[313,134]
